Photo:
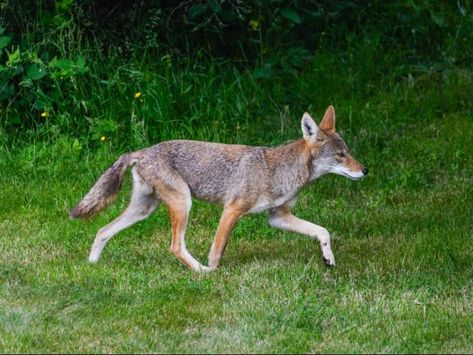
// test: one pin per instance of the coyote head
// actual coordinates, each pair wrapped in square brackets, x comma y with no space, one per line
[329,152]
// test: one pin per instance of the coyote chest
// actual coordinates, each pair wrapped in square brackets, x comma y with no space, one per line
[265,202]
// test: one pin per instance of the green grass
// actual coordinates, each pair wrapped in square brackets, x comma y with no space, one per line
[402,240]
[401,83]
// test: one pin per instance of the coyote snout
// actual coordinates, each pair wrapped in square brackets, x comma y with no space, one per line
[243,179]
[349,167]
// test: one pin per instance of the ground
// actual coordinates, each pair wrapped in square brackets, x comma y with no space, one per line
[402,239]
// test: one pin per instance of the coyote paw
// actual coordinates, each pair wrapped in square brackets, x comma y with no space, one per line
[94,257]
[214,262]
[206,269]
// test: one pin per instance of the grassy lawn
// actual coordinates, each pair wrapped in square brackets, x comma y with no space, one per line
[402,239]
[83,82]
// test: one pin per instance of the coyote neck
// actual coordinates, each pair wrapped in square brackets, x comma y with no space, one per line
[289,166]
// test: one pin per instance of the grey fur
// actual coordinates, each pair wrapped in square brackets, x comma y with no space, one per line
[244,179]
[224,173]
[104,191]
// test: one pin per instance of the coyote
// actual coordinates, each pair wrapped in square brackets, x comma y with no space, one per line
[243,179]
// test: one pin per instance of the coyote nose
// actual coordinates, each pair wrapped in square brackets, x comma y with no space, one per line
[365,171]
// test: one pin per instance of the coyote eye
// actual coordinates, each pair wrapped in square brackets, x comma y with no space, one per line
[341,155]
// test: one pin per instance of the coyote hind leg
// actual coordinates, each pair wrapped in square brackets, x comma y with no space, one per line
[143,203]
[179,204]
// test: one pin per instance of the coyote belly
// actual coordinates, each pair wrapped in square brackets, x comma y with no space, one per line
[243,179]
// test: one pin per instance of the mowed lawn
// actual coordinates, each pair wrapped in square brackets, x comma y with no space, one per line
[402,239]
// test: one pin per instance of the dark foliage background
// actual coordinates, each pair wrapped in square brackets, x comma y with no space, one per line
[420,30]
[55,53]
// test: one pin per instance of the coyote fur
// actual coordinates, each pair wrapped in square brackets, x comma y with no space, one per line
[243,179]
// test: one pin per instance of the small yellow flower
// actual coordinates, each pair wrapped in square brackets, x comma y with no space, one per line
[103,138]
[44,114]
[323,33]
[254,24]
[137,94]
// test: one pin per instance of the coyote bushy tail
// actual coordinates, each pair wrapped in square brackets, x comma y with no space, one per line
[104,191]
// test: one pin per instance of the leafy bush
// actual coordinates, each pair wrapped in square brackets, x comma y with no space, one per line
[32,86]
[73,68]
[250,31]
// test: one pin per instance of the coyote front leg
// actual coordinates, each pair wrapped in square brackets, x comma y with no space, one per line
[283,218]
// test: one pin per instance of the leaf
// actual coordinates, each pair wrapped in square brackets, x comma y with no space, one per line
[6,90]
[80,64]
[4,41]
[14,58]
[35,72]
[2,29]
[61,68]
[186,90]
[64,64]
[197,10]
[291,15]
[215,6]
[26,82]
[43,102]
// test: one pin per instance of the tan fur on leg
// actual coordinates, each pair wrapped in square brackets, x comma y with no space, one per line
[179,208]
[230,216]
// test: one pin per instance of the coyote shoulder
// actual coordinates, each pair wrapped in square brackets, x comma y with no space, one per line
[243,179]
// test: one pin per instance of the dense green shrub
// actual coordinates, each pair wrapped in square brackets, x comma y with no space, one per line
[248,30]
[69,67]
[34,85]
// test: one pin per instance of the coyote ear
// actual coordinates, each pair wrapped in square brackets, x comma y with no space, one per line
[328,122]
[309,128]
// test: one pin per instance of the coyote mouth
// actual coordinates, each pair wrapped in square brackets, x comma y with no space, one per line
[353,177]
